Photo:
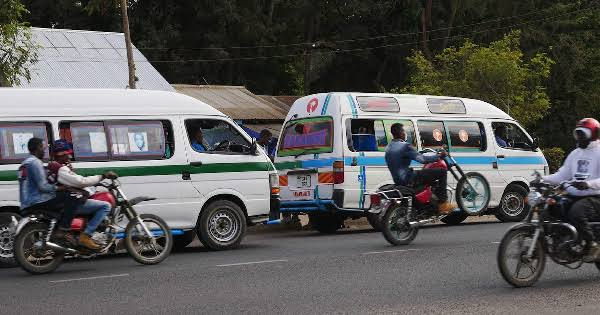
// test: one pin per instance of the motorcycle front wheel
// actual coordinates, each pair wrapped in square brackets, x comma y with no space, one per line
[395,227]
[29,253]
[473,196]
[148,249]
[515,267]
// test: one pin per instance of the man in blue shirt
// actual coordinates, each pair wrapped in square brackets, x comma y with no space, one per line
[498,133]
[398,156]
[198,141]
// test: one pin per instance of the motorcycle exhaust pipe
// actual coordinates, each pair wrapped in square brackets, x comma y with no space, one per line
[415,224]
[58,248]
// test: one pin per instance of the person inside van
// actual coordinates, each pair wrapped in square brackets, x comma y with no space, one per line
[583,162]
[198,143]
[399,154]
[500,133]
[62,171]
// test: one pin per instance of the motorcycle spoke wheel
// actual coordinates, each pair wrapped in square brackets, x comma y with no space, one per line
[515,267]
[395,227]
[30,255]
[148,249]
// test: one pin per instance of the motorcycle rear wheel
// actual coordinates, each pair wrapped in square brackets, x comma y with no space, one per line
[32,260]
[395,227]
[535,264]
[140,246]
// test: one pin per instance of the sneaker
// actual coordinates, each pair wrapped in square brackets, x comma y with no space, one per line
[593,253]
[446,207]
[87,242]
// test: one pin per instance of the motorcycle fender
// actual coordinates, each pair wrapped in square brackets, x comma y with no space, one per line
[385,209]
[521,225]
[23,222]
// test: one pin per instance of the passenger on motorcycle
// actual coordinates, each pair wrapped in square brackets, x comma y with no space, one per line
[61,172]
[398,156]
[583,165]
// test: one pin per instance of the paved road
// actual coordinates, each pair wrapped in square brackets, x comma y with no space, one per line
[446,270]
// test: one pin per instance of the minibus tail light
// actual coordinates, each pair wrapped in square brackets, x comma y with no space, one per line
[274,183]
[338,172]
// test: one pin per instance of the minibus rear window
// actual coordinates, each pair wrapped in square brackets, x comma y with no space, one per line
[14,138]
[306,136]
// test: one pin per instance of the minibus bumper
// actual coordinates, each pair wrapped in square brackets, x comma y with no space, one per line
[316,205]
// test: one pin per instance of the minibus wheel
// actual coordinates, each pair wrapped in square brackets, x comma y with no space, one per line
[325,222]
[374,221]
[7,258]
[222,225]
[512,206]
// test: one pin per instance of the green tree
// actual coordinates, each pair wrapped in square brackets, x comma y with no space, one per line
[497,73]
[17,50]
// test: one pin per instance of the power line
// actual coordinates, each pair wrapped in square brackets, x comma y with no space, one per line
[368,48]
[350,40]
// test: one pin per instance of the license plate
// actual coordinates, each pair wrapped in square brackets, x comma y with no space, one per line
[303,181]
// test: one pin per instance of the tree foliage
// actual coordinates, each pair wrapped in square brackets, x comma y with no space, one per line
[496,73]
[16,48]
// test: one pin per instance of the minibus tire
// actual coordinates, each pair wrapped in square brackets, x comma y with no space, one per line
[231,215]
[182,241]
[455,218]
[325,223]
[512,191]
[374,221]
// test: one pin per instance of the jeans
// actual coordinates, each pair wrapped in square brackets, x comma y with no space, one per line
[428,176]
[98,208]
[582,212]
[71,202]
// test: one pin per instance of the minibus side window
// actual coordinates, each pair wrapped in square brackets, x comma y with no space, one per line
[510,136]
[433,134]
[119,140]
[367,135]
[15,136]
[466,136]
[215,136]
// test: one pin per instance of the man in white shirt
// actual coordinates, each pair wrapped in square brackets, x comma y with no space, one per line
[583,165]
[61,172]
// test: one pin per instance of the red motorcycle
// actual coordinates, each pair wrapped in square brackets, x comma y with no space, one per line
[403,209]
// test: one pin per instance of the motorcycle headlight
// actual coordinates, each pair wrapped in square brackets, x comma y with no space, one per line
[534,198]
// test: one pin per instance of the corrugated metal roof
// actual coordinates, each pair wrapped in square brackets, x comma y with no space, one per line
[88,59]
[235,101]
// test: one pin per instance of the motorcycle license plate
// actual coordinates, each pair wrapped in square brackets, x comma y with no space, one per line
[303,181]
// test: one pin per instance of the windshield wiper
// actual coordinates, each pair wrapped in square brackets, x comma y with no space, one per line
[301,153]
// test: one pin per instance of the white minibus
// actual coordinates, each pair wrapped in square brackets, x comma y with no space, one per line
[331,151]
[207,175]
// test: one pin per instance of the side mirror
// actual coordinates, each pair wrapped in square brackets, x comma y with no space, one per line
[535,144]
[254,147]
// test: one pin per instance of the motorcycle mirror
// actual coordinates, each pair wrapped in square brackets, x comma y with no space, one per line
[254,147]
[535,143]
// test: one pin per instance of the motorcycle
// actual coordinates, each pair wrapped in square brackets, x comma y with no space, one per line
[147,237]
[403,209]
[545,232]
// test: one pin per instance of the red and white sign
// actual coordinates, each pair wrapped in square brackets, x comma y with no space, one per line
[305,193]
[312,105]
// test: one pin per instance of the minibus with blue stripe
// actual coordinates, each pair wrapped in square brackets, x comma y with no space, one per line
[330,154]
[208,176]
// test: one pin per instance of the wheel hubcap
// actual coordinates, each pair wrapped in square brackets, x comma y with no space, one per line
[513,204]
[6,242]
[223,226]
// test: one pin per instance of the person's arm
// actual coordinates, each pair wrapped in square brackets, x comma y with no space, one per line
[38,175]
[563,174]
[421,158]
[71,179]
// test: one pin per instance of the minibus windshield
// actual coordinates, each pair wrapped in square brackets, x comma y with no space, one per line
[306,136]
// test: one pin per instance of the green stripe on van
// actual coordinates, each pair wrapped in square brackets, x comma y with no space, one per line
[163,170]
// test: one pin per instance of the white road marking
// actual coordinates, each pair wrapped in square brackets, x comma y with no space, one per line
[495,242]
[390,251]
[253,263]
[91,278]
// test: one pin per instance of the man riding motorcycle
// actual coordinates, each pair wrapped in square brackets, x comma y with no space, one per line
[398,156]
[61,172]
[583,165]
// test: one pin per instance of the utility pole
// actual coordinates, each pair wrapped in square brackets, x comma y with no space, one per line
[128,45]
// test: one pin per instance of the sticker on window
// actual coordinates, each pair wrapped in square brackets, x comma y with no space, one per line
[463,135]
[438,135]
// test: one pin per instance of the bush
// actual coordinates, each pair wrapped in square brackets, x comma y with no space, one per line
[555,157]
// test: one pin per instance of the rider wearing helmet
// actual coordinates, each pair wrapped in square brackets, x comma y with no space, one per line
[583,166]
[61,171]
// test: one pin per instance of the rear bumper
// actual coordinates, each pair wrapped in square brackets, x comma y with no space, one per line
[316,205]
